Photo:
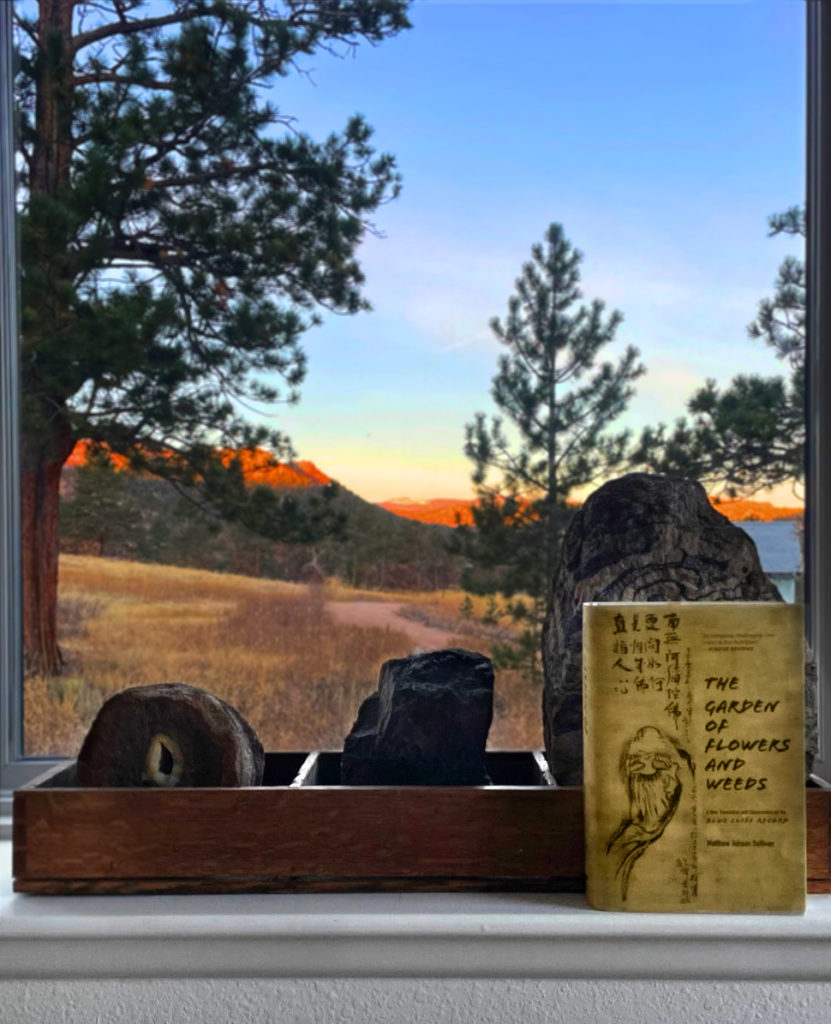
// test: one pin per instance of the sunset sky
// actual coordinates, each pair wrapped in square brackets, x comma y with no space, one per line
[660,134]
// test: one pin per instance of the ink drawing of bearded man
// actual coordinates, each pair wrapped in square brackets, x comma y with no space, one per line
[651,767]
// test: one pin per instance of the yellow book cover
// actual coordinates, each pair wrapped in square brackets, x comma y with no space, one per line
[694,762]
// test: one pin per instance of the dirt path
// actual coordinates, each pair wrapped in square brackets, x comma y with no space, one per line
[385,615]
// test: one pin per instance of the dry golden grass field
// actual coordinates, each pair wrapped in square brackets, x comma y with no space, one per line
[268,647]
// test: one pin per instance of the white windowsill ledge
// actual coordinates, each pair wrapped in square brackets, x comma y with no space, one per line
[396,935]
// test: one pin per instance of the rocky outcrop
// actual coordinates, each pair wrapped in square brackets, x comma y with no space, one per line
[427,725]
[637,538]
[168,735]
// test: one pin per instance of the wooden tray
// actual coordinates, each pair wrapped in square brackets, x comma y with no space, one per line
[301,832]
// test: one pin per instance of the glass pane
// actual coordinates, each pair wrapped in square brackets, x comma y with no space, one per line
[180,244]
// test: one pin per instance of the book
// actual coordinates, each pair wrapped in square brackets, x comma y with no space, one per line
[694,765]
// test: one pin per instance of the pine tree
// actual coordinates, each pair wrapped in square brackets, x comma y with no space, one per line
[751,433]
[559,403]
[178,235]
[100,510]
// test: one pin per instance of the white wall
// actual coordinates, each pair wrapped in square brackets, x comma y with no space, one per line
[392,1001]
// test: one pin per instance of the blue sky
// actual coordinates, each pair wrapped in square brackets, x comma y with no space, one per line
[661,135]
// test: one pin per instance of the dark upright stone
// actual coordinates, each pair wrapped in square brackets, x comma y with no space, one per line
[426,726]
[638,538]
[356,763]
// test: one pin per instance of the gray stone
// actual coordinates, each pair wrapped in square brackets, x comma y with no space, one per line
[169,735]
[638,538]
[427,725]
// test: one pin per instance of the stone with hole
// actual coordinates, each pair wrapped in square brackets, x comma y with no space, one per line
[168,735]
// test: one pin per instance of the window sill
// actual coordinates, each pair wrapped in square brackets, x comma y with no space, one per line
[396,935]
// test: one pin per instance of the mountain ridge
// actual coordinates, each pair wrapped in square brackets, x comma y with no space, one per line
[455,511]
[259,467]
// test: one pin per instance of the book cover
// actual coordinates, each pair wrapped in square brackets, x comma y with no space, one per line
[694,756]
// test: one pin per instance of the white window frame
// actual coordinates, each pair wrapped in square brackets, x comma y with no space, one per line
[15,770]
[818,365]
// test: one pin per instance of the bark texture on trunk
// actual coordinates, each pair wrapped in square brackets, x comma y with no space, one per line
[40,480]
[53,100]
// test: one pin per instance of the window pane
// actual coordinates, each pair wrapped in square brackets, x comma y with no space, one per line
[175,254]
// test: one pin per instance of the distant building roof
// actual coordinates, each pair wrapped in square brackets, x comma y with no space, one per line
[777,544]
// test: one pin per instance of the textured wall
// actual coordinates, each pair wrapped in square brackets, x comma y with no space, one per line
[347,1001]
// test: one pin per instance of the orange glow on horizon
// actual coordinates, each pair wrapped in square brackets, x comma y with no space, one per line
[260,467]
[450,511]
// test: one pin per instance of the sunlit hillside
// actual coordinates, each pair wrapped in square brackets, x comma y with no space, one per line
[258,466]
[453,511]
[742,509]
[446,511]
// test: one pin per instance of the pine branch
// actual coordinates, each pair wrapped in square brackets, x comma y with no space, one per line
[112,77]
[25,25]
[222,172]
[126,27]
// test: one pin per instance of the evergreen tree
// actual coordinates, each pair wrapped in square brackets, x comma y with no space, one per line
[750,434]
[100,510]
[178,234]
[559,403]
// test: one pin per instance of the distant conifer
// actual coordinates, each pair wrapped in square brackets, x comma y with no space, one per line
[557,405]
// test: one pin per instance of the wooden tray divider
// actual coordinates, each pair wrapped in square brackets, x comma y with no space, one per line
[307,773]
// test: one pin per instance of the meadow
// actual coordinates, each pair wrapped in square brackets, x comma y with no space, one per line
[268,647]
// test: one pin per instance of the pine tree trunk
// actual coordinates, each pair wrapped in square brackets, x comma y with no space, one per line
[552,526]
[47,440]
[40,498]
[53,104]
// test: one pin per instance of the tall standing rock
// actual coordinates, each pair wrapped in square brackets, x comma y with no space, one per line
[427,725]
[638,538]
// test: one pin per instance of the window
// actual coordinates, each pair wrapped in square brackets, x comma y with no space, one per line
[16,769]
